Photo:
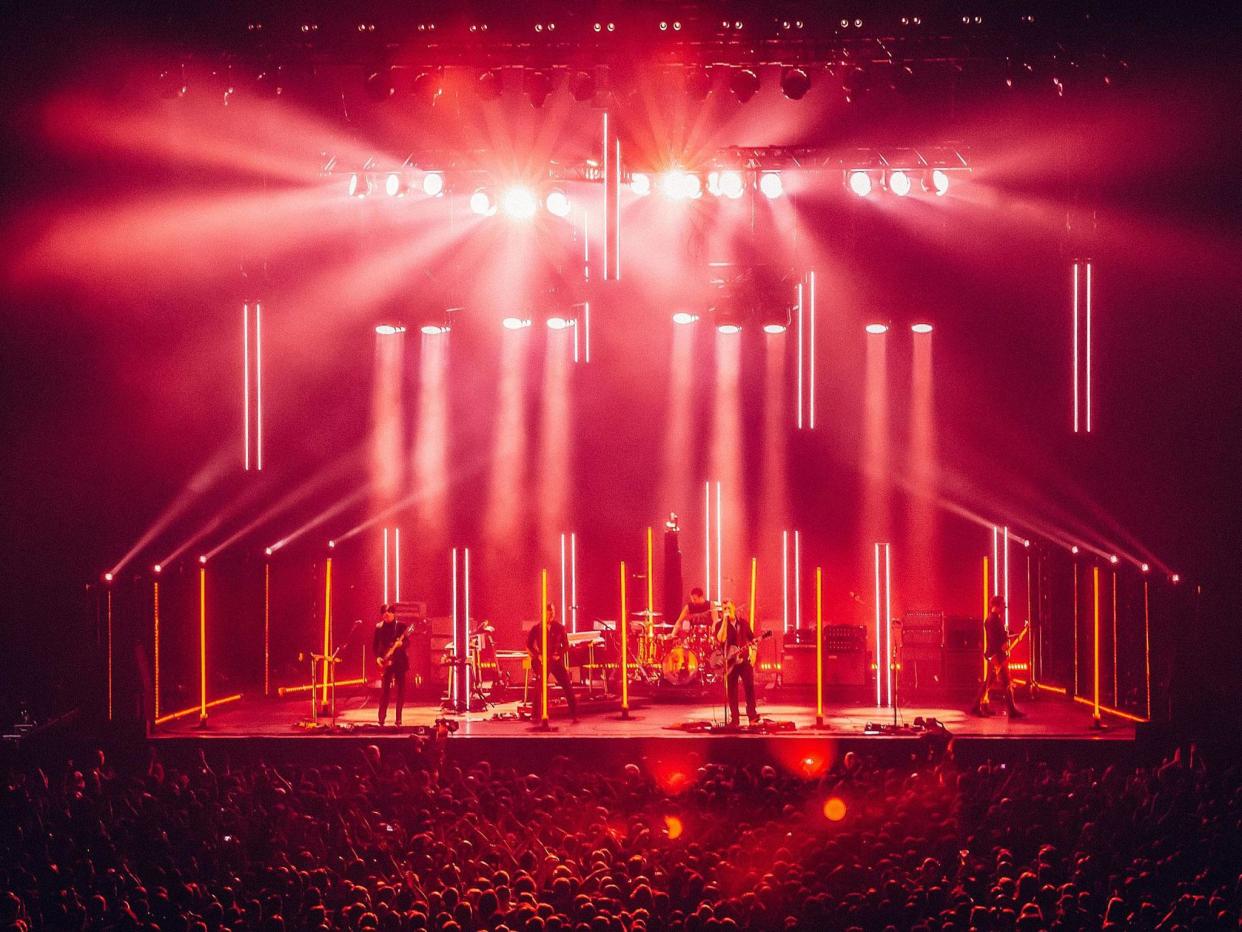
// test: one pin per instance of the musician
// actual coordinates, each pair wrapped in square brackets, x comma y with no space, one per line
[387,631]
[697,611]
[558,651]
[996,644]
[735,633]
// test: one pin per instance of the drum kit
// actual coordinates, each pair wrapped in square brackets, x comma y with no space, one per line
[658,654]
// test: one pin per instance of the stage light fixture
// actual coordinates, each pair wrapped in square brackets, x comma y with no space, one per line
[436,329]
[379,85]
[860,183]
[684,317]
[744,84]
[730,185]
[698,83]
[360,184]
[728,326]
[640,184]
[538,87]
[582,86]
[936,182]
[428,86]
[557,202]
[795,82]
[433,184]
[677,185]
[899,183]
[559,322]
[922,328]
[1145,568]
[771,185]
[877,328]
[692,186]
[776,326]
[519,203]
[482,203]
[392,184]
[158,568]
[203,559]
[1074,549]
[331,545]
[267,551]
[1114,559]
[855,82]
[488,86]
[388,330]
[515,323]
[107,577]
[1175,578]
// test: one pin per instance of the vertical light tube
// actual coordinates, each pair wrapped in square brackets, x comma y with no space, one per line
[650,577]
[246,384]
[1075,346]
[811,358]
[1087,397]
[1076,690]
[1095,648]
[385,566]
[267,628]
[1116,698]
[879,643]
[466,626]
[564,600]
[784,582]
[707,536]
[1005,574]
[1147,646]
[543,646]
[625,649]
[616,261]
[888,618]
[819,646]
[586,330]
[719,545]
[573,579]
[396,564]
[996,561]
[754,580]
[456,641]
[109,591]
[797,580]
[258,385]
[987,587]
[327,629]
[800,357]
[202,645]
[156,645]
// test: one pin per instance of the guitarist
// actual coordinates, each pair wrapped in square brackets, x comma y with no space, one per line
[388,646]
[737,636]
[558,651]
[996,644]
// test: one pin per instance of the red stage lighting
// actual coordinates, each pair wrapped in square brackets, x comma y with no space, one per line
[684,317]
[860,183]
[488,86]
[795,82]
[107,577]
[744,84]
[433,184]
[392,184]
[771,185]
[519,203]
[679,185]
[640,184]
[203,559]
[1145,568]
[482,204]
[157,568]
[538,87]
[515,323]
[428,86]
[387,330]
[698,83]
[730,185]
[360,184]
[557,322]
[877,328]
[435,329]
[379,85]
[899,183]
[922,328]
[936,182]
[557,203]
[582,86]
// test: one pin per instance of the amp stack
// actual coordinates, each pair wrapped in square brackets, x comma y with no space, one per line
[922,651]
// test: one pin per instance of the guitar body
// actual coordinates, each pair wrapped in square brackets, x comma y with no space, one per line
[386,661]
[739,654]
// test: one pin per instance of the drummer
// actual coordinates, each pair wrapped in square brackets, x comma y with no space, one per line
[697,612]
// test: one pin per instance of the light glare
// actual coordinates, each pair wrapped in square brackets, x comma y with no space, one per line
[922,328]
[685,317]
[730,184]
[519,203]
[899,183]
[771,185]
[387,330]
[877,328]
[557,203]
[515,323]
[860,183]
[481,203]
[433,184]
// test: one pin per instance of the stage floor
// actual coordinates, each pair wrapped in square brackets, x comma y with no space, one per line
[1050,717]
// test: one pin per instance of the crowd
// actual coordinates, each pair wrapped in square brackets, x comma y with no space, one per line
[393,840]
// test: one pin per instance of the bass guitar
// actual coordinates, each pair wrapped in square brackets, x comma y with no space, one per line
[1014,640]
[386,661]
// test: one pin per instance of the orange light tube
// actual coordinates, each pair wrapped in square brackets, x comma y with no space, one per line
[202,645]
[156,644]
[819,645]
[184,713]
[543,654]
[327,628]
[625,655]
[1095,615]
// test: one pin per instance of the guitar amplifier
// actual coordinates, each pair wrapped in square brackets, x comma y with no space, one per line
[923,629]
[838,638]
[963,669]
[841,668]
[921,666]
[800,636]
[962,633]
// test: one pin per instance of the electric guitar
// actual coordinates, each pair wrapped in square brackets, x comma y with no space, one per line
[386,661]
[1013,640]
[741,653]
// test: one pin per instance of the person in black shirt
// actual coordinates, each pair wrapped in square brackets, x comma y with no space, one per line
[387,631]
[558,650]
[737,636]
[698,611]
[996,643]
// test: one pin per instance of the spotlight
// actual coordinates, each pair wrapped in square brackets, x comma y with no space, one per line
[899,183]
[679,185]
[1175,578]
[379,85]
[360,184]
[331,545]
[744,83]
[557,202]
[936,182]
[728,326]
[922,328]
[428,86]
[684,317]
[107,577]
[1145,568]
[855,82]
[777,326]
[388,330]
[158,568]
[640,184]
[558,322]
[267,551]
[692,186]
[1074,549]
[203,559]
[392,184]
[538,87]
[877,327]
[771,185]
[795,82]
[730,185]
[488,86]
[1113,560]
[432,330]
[481,203]
[519,203]
[698,83]
[515,323]
[582,86]
[433,184]
[860,183]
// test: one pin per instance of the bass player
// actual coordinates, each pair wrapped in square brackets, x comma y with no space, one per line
[388,645]
[997,642]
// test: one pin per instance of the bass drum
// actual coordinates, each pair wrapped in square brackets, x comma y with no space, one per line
[681,666]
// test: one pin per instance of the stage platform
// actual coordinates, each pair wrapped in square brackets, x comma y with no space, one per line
[1051,720]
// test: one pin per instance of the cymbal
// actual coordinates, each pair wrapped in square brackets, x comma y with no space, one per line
[647,614]
[662,626]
